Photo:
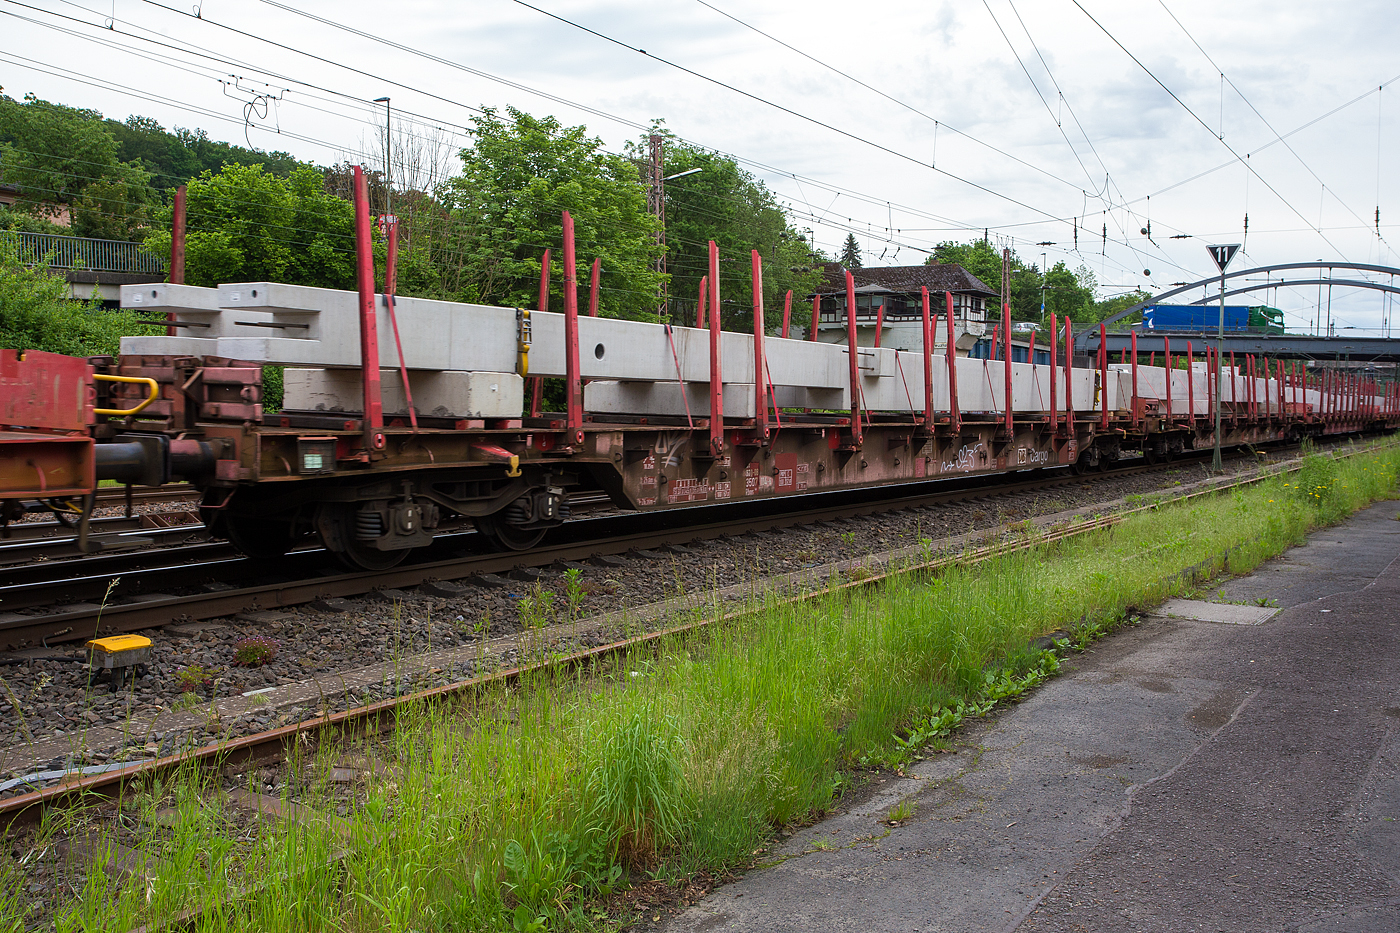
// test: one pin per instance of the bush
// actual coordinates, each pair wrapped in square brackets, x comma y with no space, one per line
[37,314]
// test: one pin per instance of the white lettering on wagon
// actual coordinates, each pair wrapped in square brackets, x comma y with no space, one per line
[689,490]
[967,459]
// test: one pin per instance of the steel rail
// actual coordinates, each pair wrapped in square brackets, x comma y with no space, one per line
[90,620]
[41,536]
[172,492]
[266,747]
[184,563]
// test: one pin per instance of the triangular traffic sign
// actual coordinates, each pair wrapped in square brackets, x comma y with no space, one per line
[1223,254]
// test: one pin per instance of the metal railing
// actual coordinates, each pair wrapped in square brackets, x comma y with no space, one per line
[869,315]
[83,253]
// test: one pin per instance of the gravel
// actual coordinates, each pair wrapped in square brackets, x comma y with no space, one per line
[195,662]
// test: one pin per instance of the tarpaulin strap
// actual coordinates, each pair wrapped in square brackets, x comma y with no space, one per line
[902,379]
[773,394]
[685,397]
[403,368]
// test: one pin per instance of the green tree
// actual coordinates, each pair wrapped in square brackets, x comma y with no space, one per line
[977,257]
[984,260]
[505,208]
[25,222]
[724,203]
[245,225]
[1063,291]
[65,161]
[144,141]
[1069,293]
[1111,306]
[850,252]
[172,157]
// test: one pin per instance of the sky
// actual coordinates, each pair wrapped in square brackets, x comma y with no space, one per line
[1120,136]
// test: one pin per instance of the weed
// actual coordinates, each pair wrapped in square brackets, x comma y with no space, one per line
[900,812]
[195,677]
[185,701]
[848,538]
[574,593]
[254,652]
[536,610]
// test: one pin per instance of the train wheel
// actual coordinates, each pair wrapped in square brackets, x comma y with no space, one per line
[260,538]
[363,557]
[335,524]
[509,537]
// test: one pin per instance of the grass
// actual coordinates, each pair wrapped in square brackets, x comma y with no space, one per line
[530,808]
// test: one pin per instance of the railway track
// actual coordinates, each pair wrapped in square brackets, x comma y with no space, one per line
[233,756]
[233,763]
[49,539]
[208,580]
[107,498]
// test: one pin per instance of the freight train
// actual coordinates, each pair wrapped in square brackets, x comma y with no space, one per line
[400,414]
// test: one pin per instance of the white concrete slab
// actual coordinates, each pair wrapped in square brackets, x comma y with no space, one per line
[1228,613]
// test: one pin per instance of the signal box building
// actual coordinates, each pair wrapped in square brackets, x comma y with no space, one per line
[898,289]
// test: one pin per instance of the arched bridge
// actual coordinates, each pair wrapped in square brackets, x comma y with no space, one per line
[1291,346]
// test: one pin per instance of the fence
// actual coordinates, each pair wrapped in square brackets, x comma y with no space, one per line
[85,253]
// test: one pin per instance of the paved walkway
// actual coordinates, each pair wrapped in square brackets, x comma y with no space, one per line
[1184,775]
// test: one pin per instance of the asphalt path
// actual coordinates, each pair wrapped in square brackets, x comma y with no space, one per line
[1183,775]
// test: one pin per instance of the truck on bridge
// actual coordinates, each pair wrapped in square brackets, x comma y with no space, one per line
[1259,319]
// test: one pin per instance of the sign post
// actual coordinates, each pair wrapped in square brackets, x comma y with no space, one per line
[1222,254]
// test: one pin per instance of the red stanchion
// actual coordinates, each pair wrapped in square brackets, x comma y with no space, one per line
[371,390]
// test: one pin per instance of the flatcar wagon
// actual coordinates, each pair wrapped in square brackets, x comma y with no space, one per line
[402,413]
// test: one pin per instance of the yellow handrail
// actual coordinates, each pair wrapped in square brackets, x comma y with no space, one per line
[155,392]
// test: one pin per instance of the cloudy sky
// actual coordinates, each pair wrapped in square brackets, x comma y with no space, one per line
[1039,121]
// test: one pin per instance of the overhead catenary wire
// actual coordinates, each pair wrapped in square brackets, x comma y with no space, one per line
[1114,39]
[616,118]
[1224,79]
[761,166]
[894,238]
[409,49]
[1108,203]
[618,42]
[891,98]
[825,221]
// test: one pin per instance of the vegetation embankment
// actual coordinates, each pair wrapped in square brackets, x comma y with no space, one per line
[474,220]
[532,807]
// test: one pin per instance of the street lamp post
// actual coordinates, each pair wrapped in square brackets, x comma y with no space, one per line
[388,191]
[1044,283]
[657,194]
[1222,255]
